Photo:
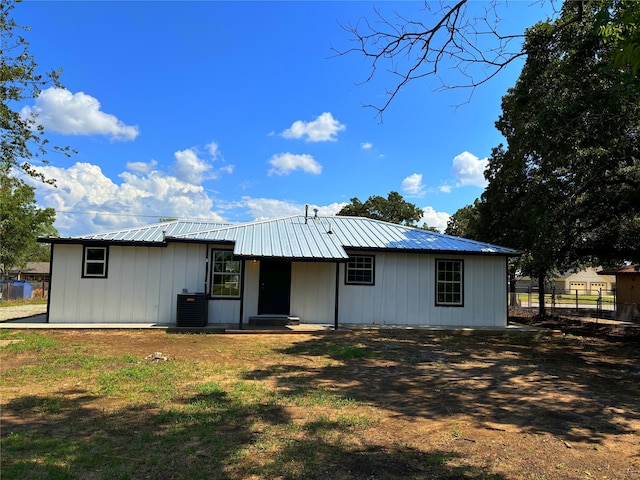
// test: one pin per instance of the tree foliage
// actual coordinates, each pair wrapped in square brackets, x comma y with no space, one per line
[566,188]
[392,209]
[620,24]
[23,138]
[21,222]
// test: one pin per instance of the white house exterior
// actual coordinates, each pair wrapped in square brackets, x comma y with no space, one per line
[337,270]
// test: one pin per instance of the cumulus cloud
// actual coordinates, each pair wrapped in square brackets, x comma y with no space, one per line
[469,169]
[189,168]
[59,110]
[324,128]
[87,201]
[413,186]
[285,163]
[366,145]
[434,219]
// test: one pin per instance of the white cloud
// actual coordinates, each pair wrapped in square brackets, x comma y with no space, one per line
[445,188]
[61,111]
[434,219]
[285,163]
[189,168]
[469,169]
[214,151]
[324,128]
[366,145]
[265,208]
[142,167]
[86,201]
[413,186]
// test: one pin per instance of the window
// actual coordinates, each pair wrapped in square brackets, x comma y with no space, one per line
[225,275]
[360,270]
[95,262]
[449,283]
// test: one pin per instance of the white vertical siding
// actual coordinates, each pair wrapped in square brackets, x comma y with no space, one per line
[313,291]
[404,293]
[251,289]
[141,287]
[143,283]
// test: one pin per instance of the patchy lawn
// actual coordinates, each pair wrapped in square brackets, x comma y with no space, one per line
[365,405]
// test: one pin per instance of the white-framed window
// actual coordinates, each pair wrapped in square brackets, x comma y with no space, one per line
[225,274]
[360,270]
[450,283]
[94,262]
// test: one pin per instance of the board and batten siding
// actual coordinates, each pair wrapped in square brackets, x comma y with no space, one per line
[312,294]
[404,293]
[313,291]
[141,286]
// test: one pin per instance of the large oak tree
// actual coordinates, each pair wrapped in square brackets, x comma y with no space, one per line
[566,187]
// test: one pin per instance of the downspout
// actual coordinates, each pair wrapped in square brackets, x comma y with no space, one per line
[50,282]
[242,275]
[336,310]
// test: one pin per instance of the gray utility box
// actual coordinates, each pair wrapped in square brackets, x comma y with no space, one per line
[193,310]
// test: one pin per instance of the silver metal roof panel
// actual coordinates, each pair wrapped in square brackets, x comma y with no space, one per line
[153,233]
[299,237]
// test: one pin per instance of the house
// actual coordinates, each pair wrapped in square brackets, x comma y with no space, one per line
[333,270]
[33,272]
[587,281]
[627,290]
[32,280]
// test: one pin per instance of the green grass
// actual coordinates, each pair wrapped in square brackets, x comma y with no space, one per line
[23,301]
[121,415]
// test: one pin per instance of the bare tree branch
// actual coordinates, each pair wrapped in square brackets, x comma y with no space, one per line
[410,50]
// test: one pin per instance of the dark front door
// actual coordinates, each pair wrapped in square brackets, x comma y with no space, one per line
[275,288]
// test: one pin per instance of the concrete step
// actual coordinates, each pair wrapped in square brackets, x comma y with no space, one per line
[273,320]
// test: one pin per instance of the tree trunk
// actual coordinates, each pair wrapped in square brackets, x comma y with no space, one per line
[513,296]
[541,309]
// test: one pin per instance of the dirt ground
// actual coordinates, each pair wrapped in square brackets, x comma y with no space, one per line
[563,407]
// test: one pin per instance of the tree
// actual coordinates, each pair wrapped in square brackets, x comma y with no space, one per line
[457,36]
[620,25]
[23,139]
[21,223]
[392,209]
[463,223]
[566,189]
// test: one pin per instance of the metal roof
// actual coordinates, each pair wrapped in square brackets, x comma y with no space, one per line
[328,237]
[155,232]
[300,237]
[288,237]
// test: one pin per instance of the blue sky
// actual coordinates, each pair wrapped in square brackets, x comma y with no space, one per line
[238,111]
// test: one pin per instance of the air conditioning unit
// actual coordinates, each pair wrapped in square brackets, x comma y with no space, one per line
[193,310]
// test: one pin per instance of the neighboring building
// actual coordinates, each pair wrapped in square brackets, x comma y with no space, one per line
[627,290]
[336,270]
[33,280]
[588,281]
[34,272]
